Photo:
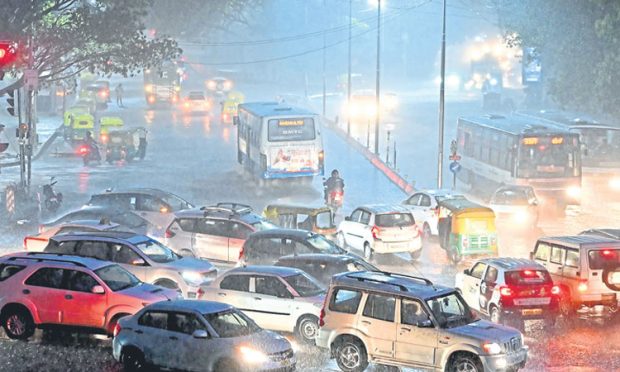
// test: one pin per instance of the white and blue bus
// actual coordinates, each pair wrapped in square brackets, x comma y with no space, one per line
[279,141]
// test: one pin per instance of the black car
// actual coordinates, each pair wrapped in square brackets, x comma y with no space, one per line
[267,246]
[606,233]
[127,219]
[323,266]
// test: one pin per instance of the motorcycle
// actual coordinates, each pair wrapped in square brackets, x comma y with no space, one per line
[89,152]
[51,199]
[334,198]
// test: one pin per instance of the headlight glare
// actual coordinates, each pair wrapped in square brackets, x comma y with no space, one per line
[252,355]
[491,348]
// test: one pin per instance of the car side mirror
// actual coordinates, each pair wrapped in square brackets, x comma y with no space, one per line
[531,255]
[200,333]
[424,323]
[466,271]
[347,218]
[138,262]
[97,290]
[235,120]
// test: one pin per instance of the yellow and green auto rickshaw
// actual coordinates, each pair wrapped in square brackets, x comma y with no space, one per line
[125,144]
[229,106]
[466,229]
[315,219]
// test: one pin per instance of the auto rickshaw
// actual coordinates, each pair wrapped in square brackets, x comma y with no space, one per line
[229,106]
[466,228]
[318,220]
[125,144]
[80,122]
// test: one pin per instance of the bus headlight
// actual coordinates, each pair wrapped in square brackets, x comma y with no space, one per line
[574,192]
[614,183]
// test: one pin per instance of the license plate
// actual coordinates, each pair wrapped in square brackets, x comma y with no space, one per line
[532,301]
[528,312]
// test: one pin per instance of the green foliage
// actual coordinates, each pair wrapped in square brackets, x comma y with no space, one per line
[579,41]
[70,36]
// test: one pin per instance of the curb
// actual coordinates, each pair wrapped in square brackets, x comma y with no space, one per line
[379,164]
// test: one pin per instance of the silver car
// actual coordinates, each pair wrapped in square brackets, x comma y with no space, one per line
[149,260]
[198,336]
[276,298]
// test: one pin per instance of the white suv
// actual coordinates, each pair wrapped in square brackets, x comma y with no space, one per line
[425,208]
[277,298]
[404,321]
[381,228]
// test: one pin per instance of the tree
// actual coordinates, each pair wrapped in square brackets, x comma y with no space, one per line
[70,36]
[579,44]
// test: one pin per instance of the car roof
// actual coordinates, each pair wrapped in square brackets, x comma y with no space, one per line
[273,270]
[120,235]
[393,283]
[321,257]
[95,224]
[510,263]
[283,233]
[577,241]
[610,233]
[98,209]
[385,208]
[57,259]
[203,307]
[136,190]
[248,217]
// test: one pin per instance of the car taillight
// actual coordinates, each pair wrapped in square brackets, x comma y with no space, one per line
[375,232]
[26,243]
[117,329]
[169,234]
[241,253]
[555,290]
[505,291]
[199,293]
[322,313]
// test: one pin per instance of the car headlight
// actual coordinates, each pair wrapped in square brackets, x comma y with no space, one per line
[192,277]
[251,355]
[491,348]
[614,183]
[520,216]
[574,192]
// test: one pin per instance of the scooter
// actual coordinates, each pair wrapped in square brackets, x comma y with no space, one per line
[89,152]
[333,198]
[51,199]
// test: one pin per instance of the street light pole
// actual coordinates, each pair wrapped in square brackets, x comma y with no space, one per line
[378,77]
[442,99]
[349,73]
[324,61]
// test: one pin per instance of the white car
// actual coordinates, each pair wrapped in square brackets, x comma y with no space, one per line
[424,205]
[515,206]
[277,298]
[196,102]
[381,228]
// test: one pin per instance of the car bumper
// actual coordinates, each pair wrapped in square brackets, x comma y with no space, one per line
[380,246]
[504,362]
[322,339]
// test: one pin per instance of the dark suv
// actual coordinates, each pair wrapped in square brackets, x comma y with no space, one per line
[324,266]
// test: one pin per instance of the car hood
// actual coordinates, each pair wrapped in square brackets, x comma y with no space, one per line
[150,293]
[484,330]
[266,341]
[190,263]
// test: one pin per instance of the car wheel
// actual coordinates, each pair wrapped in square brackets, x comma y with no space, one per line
[133,360]
[496,315]
[415,255]
[18,324]
[341,240]
[426,231]
[307,328]
[367,251]
[351,356]
[466,363]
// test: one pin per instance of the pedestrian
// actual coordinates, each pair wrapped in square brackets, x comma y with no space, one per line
[119,95]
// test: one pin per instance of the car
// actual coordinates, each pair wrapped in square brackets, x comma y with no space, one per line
[510,290]
[146,258]
[381,228]
[154,205]
[277,298]
[267,246]
[50,290]
[515,206]
[219,86]
[196,102]
[323,266]
[607,233]
[586,268]
[216,233]
[128,219]
[424,205]
[198,336]
[37,243]
[406,321]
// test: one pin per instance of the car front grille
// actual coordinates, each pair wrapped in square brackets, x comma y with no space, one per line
[513,345]
[283,355]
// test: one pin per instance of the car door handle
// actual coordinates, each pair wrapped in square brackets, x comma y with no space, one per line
[405,329]
[26,291]
[366,322]
[173,337]
[221,294]
[68,297]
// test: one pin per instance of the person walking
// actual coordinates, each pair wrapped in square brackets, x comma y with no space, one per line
[119,95]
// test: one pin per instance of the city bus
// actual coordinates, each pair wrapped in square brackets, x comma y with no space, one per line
[277,141]
[163,84]
[600,146]
[498,150]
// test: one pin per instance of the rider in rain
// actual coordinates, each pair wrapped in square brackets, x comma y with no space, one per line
[333,183]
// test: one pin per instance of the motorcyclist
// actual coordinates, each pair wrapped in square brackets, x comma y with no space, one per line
[92,144]
[333,183]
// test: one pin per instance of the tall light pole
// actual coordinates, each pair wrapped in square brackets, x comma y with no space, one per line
[442,99]
[349,73]
[378,78]
[324,61]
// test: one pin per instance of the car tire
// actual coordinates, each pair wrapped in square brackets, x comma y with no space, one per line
[351,356]
[416,255]
[368,252]
[18,323]
[133,360]
[466,362]
[426,232]
[342,242]
[308,328]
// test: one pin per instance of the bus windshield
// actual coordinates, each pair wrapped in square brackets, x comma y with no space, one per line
[548,157]
[291,129]
[599,145]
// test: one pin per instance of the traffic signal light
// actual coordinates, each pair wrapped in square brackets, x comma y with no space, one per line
[11,102]
[22,131]
[8,53]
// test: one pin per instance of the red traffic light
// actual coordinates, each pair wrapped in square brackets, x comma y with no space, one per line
[8,53]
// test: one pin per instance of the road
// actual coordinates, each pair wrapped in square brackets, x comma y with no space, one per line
[194,156]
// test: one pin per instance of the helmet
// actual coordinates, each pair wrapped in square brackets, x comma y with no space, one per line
[335,173]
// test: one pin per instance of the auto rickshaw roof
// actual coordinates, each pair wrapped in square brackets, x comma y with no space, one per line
[291,208]
[461,204]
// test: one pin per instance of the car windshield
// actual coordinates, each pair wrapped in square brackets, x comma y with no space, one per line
[117,278]
[304,285]
[604,259]
[157,251]
[528,277]
[261,225]
[231,323]
[510,197]
[451,311]
[324,245]
[555,157]
[394,220]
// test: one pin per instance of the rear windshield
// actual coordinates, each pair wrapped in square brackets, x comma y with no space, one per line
[604,258]
[297,129]
[527,277]
[394,220]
